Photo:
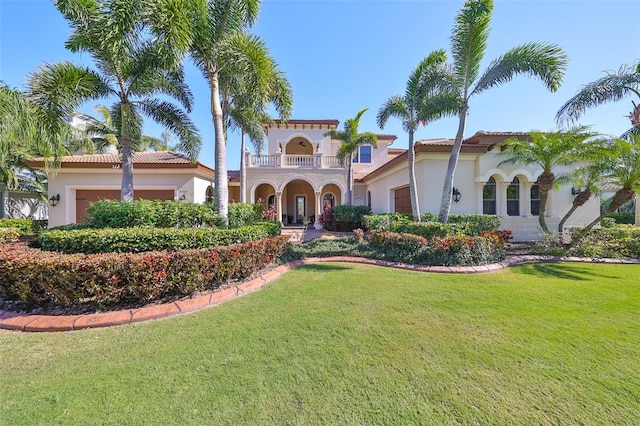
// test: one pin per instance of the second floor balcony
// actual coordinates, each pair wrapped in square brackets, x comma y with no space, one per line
[297,161]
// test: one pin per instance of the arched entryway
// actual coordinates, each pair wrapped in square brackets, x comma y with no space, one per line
[266,195]
[298,203]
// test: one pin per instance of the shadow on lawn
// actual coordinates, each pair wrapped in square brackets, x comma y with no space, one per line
[324,267]
[561,270]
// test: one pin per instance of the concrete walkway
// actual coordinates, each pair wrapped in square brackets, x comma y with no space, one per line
[48,323]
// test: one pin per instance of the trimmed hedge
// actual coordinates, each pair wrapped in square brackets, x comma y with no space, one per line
[44,277]
[24,226]
[447,251]
[146,213]
[468,224]
[9,234]
[242,214]
[137,240]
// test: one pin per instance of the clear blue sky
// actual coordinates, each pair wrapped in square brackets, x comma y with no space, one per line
[342,56]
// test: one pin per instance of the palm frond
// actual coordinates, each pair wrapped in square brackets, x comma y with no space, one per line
[469,39]
[392,107]
[548,62]
[610,88]
[177,122]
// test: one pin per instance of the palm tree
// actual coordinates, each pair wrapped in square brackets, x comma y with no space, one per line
[130,65]
[621,169]
[248,91]
[610,88]
[429,96]
[589,181]
[352,140]
[548,150]
[468,45]
[216,45]
[23,134]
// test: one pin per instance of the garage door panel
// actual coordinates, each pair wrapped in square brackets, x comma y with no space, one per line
[402,198]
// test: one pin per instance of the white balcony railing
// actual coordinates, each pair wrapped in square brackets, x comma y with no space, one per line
[318,161]
[297,160]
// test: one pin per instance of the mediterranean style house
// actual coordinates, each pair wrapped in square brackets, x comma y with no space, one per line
[300,175]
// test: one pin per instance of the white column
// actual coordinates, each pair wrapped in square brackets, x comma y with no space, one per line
[551,204]
[502,198]
[479,198]
[279,204]
[317,224]
[526,199]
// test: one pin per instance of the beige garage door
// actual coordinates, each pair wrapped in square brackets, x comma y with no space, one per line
[402,198]
[84,197]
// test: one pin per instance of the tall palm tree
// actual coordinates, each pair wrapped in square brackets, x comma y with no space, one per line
[610,88]
[352,140]
[548,150]
[131,67]
[621,169]
[429,95]
[216,44]
[468,45]
[248,88]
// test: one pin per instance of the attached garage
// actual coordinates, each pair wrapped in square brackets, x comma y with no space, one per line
[84,197]
[402,200]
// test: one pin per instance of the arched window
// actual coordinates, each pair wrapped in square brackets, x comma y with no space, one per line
[328,201]
[513,198]
[208,195]
[535,199]
[369,199]
[489,197]
[271,201]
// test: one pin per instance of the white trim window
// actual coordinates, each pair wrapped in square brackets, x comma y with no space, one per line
[364,154]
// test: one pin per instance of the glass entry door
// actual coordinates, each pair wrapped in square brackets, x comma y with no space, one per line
[300,208]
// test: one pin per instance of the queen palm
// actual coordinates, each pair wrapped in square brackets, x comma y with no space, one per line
[131,67]
[428,96]
[548,150]
[352,140]
[610,88]
[547,62]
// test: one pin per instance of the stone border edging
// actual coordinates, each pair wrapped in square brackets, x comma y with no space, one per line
[49,323]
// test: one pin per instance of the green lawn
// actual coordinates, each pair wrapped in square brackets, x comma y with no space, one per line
[353,344]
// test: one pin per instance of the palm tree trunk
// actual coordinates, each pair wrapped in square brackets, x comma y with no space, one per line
[350,183]
[415,207]
[545,183]
[126,190]
[447,189]
[243,171]
[221,193]
[579,201]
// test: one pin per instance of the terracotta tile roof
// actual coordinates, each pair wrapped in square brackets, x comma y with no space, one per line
[479,143]
[147,160]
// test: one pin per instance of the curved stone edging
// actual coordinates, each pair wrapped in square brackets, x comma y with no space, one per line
[48,323]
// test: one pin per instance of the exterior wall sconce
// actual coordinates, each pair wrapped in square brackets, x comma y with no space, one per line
[54,200]
[182,197]
[575,191]
[456,194]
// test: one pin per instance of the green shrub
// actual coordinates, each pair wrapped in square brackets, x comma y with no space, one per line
[469,224]
[44,277]
[242,214]
[427,230]
[23,226]
[617,241]
[136,240]
[146,213]
[9,234]
[474,224]
[382,222]
[624,218]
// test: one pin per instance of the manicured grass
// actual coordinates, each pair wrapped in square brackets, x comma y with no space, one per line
[353,344]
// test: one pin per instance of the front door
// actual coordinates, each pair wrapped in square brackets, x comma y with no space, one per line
[300,208]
